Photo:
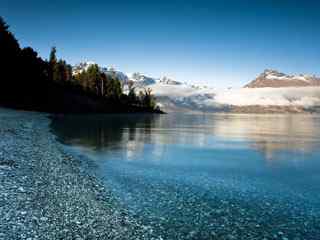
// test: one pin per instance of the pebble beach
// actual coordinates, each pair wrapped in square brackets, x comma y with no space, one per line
[46,194]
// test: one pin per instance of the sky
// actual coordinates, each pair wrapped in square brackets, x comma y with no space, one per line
[220,43]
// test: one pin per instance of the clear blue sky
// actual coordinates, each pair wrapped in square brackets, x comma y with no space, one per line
[223,43]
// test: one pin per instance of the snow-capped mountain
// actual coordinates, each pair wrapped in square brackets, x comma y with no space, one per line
[83,66]
[293,97]
[271,91]
[141,80]
[275,79]
[118,74]
[177,96]
[169,81]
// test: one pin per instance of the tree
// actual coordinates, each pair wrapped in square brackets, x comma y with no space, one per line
[102,85]
[22,72]
[33,66]
[64,72]
[29,82]
[9,46]
[9,61]
[60,71]
[132,93]
[53,57]
[54,66]
[94,78]
[147,99]
[113,87]
[3,25]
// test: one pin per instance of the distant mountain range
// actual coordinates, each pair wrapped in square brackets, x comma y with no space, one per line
[271,91]
[275,79]
[139,79]
[83,66]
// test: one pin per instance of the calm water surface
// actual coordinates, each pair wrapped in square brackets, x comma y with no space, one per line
[208,176]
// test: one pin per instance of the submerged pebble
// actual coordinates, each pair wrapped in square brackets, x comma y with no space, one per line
[62,200]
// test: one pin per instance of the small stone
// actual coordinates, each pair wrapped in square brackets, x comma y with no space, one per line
[213,233]
[192,233]
[230,236]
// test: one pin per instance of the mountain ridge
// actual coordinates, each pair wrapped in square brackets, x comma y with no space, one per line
[276,79]
[271,92]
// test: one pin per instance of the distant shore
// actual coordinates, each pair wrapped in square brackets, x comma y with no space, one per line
[46,194]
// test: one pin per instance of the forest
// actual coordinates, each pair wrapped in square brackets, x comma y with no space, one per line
[29,82]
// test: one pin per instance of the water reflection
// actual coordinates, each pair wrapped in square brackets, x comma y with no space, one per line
[100,132]
[268,134]
[275,134]
[208,175]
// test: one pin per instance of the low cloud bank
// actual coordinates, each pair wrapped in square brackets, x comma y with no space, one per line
[290,96]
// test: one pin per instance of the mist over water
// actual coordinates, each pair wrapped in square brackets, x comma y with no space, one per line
[224,176]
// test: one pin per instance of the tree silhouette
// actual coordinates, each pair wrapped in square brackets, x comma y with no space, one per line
[29,82]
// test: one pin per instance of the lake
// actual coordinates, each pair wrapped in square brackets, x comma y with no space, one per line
[218,176]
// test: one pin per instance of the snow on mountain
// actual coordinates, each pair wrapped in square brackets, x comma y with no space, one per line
[83,66]
[275,89]
[269,90]
[169,81]
[119,75]
[177,96]
[142,80]
[275,79]
[284,98]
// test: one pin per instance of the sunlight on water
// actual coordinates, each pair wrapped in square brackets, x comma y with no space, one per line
[208,176]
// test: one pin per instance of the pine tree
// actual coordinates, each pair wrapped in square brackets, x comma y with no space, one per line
[8,44]
[20,87]
[94,76]
[45,85]
[54,66]
[69,72]
[113,87]
[53,57]
[147,99]
[9,60]
[3,25]
[132,95]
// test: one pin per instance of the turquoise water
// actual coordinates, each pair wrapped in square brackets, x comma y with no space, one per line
[217,176]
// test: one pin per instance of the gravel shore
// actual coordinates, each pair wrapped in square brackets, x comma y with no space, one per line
[46,194]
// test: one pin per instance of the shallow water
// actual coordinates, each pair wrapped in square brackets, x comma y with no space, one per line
[217,176]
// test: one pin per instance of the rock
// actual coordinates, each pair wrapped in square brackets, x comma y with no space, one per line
[44,219]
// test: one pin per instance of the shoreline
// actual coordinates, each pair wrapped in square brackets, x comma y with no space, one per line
[45,193]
